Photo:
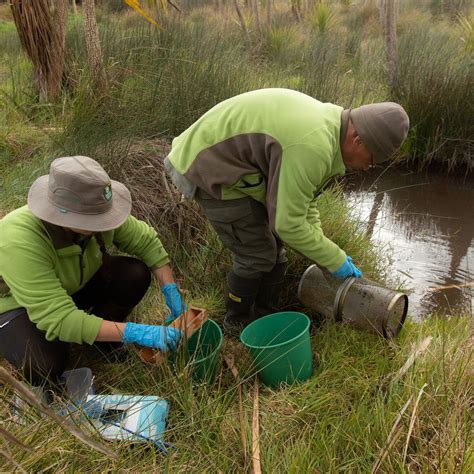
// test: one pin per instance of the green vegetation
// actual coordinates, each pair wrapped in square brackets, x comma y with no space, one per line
[341,419]
[159,83]
[437,90]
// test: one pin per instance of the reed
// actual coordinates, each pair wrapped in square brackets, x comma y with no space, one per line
[357,413]
[341,419]
[160,82]
[435,85]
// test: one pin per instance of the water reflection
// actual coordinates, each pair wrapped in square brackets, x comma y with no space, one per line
[429,222]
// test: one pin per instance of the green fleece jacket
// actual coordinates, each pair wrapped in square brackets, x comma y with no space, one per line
[42,265]
[278,146]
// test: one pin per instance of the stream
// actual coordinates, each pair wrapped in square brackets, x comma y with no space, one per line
[427,220]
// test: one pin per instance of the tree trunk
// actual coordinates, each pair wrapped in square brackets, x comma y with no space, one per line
[381,4]
[74,7]
[60,19]
[269,12]
[452,10]
[296,10]
[391,42]
[256,15]
[60,22]
[305,7]
[241,18]
[94,51]
[42,29]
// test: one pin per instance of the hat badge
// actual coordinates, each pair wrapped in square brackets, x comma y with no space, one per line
[108,192]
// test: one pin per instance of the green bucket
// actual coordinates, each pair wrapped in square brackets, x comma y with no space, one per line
[202,352]
[280,347]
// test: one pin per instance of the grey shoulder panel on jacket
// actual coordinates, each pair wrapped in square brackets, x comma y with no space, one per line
[184,186]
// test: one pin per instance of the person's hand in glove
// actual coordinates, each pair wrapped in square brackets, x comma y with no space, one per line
[173,301]
[156,337]
[347,269]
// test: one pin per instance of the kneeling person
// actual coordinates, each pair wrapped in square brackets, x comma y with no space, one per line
[58,283]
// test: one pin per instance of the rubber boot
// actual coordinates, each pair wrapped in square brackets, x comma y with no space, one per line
[239,301]
[268,297]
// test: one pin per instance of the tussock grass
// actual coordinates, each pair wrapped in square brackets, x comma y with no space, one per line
[342,418]
[281,43]
[435,85]
[162,82]
[338,420]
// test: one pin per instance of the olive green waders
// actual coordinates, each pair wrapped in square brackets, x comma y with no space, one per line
[258,258]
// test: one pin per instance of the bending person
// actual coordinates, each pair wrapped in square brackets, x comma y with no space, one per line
[58,283]
[257,162]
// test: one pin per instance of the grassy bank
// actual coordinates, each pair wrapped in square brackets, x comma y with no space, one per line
[343,418]
[161,82]
[353,413]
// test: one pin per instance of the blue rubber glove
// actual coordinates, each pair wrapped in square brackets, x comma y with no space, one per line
[173,301]
[157,337]
[347,269]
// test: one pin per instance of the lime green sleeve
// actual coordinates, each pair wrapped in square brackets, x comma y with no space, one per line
[313,214]
[137,238]
[30,275]
[303,169]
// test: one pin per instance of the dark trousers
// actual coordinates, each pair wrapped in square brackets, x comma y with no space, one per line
[242,226]
[112,293]
[258,258]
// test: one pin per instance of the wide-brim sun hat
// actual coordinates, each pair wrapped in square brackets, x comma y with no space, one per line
[78,193]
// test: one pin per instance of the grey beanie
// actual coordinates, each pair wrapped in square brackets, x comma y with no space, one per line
[382,128]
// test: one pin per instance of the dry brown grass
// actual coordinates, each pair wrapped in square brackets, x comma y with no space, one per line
[155,199]
[5,13]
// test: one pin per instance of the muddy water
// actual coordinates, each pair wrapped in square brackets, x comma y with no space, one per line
[428,221]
